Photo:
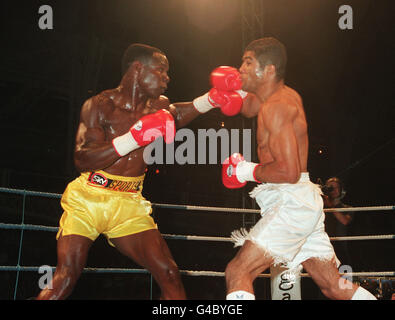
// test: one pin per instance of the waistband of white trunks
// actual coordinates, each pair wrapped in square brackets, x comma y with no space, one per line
[304,176]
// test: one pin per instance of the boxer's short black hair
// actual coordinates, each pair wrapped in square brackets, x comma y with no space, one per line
[137,52]
[270,51]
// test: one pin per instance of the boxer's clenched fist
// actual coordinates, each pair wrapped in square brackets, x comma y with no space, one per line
[226,78]
[236,171]
[226,93]
[146,130]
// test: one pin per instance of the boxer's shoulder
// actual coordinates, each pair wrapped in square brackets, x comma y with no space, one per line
[106,99]
[277,113]
[291,92]
[285,100]
[96,108]
[162,102]
[100,102]
[284,95]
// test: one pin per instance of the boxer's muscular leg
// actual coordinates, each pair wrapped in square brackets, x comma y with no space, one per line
[72,254]
[242,270]
[150,250]
[326,276]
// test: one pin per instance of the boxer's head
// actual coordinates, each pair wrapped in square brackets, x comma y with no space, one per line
[263,58]
[146,67]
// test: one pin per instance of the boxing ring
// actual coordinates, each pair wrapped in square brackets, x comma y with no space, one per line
[22,226]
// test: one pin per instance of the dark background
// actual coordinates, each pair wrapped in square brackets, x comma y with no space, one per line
[345,78]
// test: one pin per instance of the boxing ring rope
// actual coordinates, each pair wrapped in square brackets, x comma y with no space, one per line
[33,227]
[188,272]
[197,208]
[24,226]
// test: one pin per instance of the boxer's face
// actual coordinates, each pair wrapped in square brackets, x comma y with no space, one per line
[251,73]
[154,77]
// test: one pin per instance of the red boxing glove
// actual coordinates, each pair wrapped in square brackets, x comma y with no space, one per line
[230,102]
[225,78]
[225,94]
[146,130]
[153,126]
[236,171]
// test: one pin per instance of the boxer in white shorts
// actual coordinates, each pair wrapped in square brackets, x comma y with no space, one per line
[291,230]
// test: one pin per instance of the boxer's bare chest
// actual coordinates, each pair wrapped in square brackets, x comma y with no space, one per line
[269,115]
[118,117]
[117,121]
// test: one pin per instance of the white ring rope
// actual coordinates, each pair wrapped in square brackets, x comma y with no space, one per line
[376,208]
[204,238]
[194,273]
[13,226]
[303,275]
[200,208]
[240,210]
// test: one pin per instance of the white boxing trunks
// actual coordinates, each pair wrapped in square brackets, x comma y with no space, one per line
[291,229]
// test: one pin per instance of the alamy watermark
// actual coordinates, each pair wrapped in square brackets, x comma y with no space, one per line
[45,281]
[345,21]
[345,281]
[46,19]
[205,147]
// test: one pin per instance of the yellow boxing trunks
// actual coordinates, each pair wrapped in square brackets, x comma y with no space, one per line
[101,203]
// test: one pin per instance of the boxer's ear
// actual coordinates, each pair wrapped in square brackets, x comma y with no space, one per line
[270,70]
[134,69]
[136,66]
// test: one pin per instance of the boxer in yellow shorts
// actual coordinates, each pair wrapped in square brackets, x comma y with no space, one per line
[101,203]
[114,128]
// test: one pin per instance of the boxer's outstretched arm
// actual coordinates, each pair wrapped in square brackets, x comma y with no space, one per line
[285,167]
[183,113]
[92,152]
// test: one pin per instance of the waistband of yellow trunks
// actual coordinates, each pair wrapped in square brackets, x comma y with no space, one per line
[113,182]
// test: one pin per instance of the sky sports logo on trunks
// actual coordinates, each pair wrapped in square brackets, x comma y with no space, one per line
[204,147]
[99,179]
